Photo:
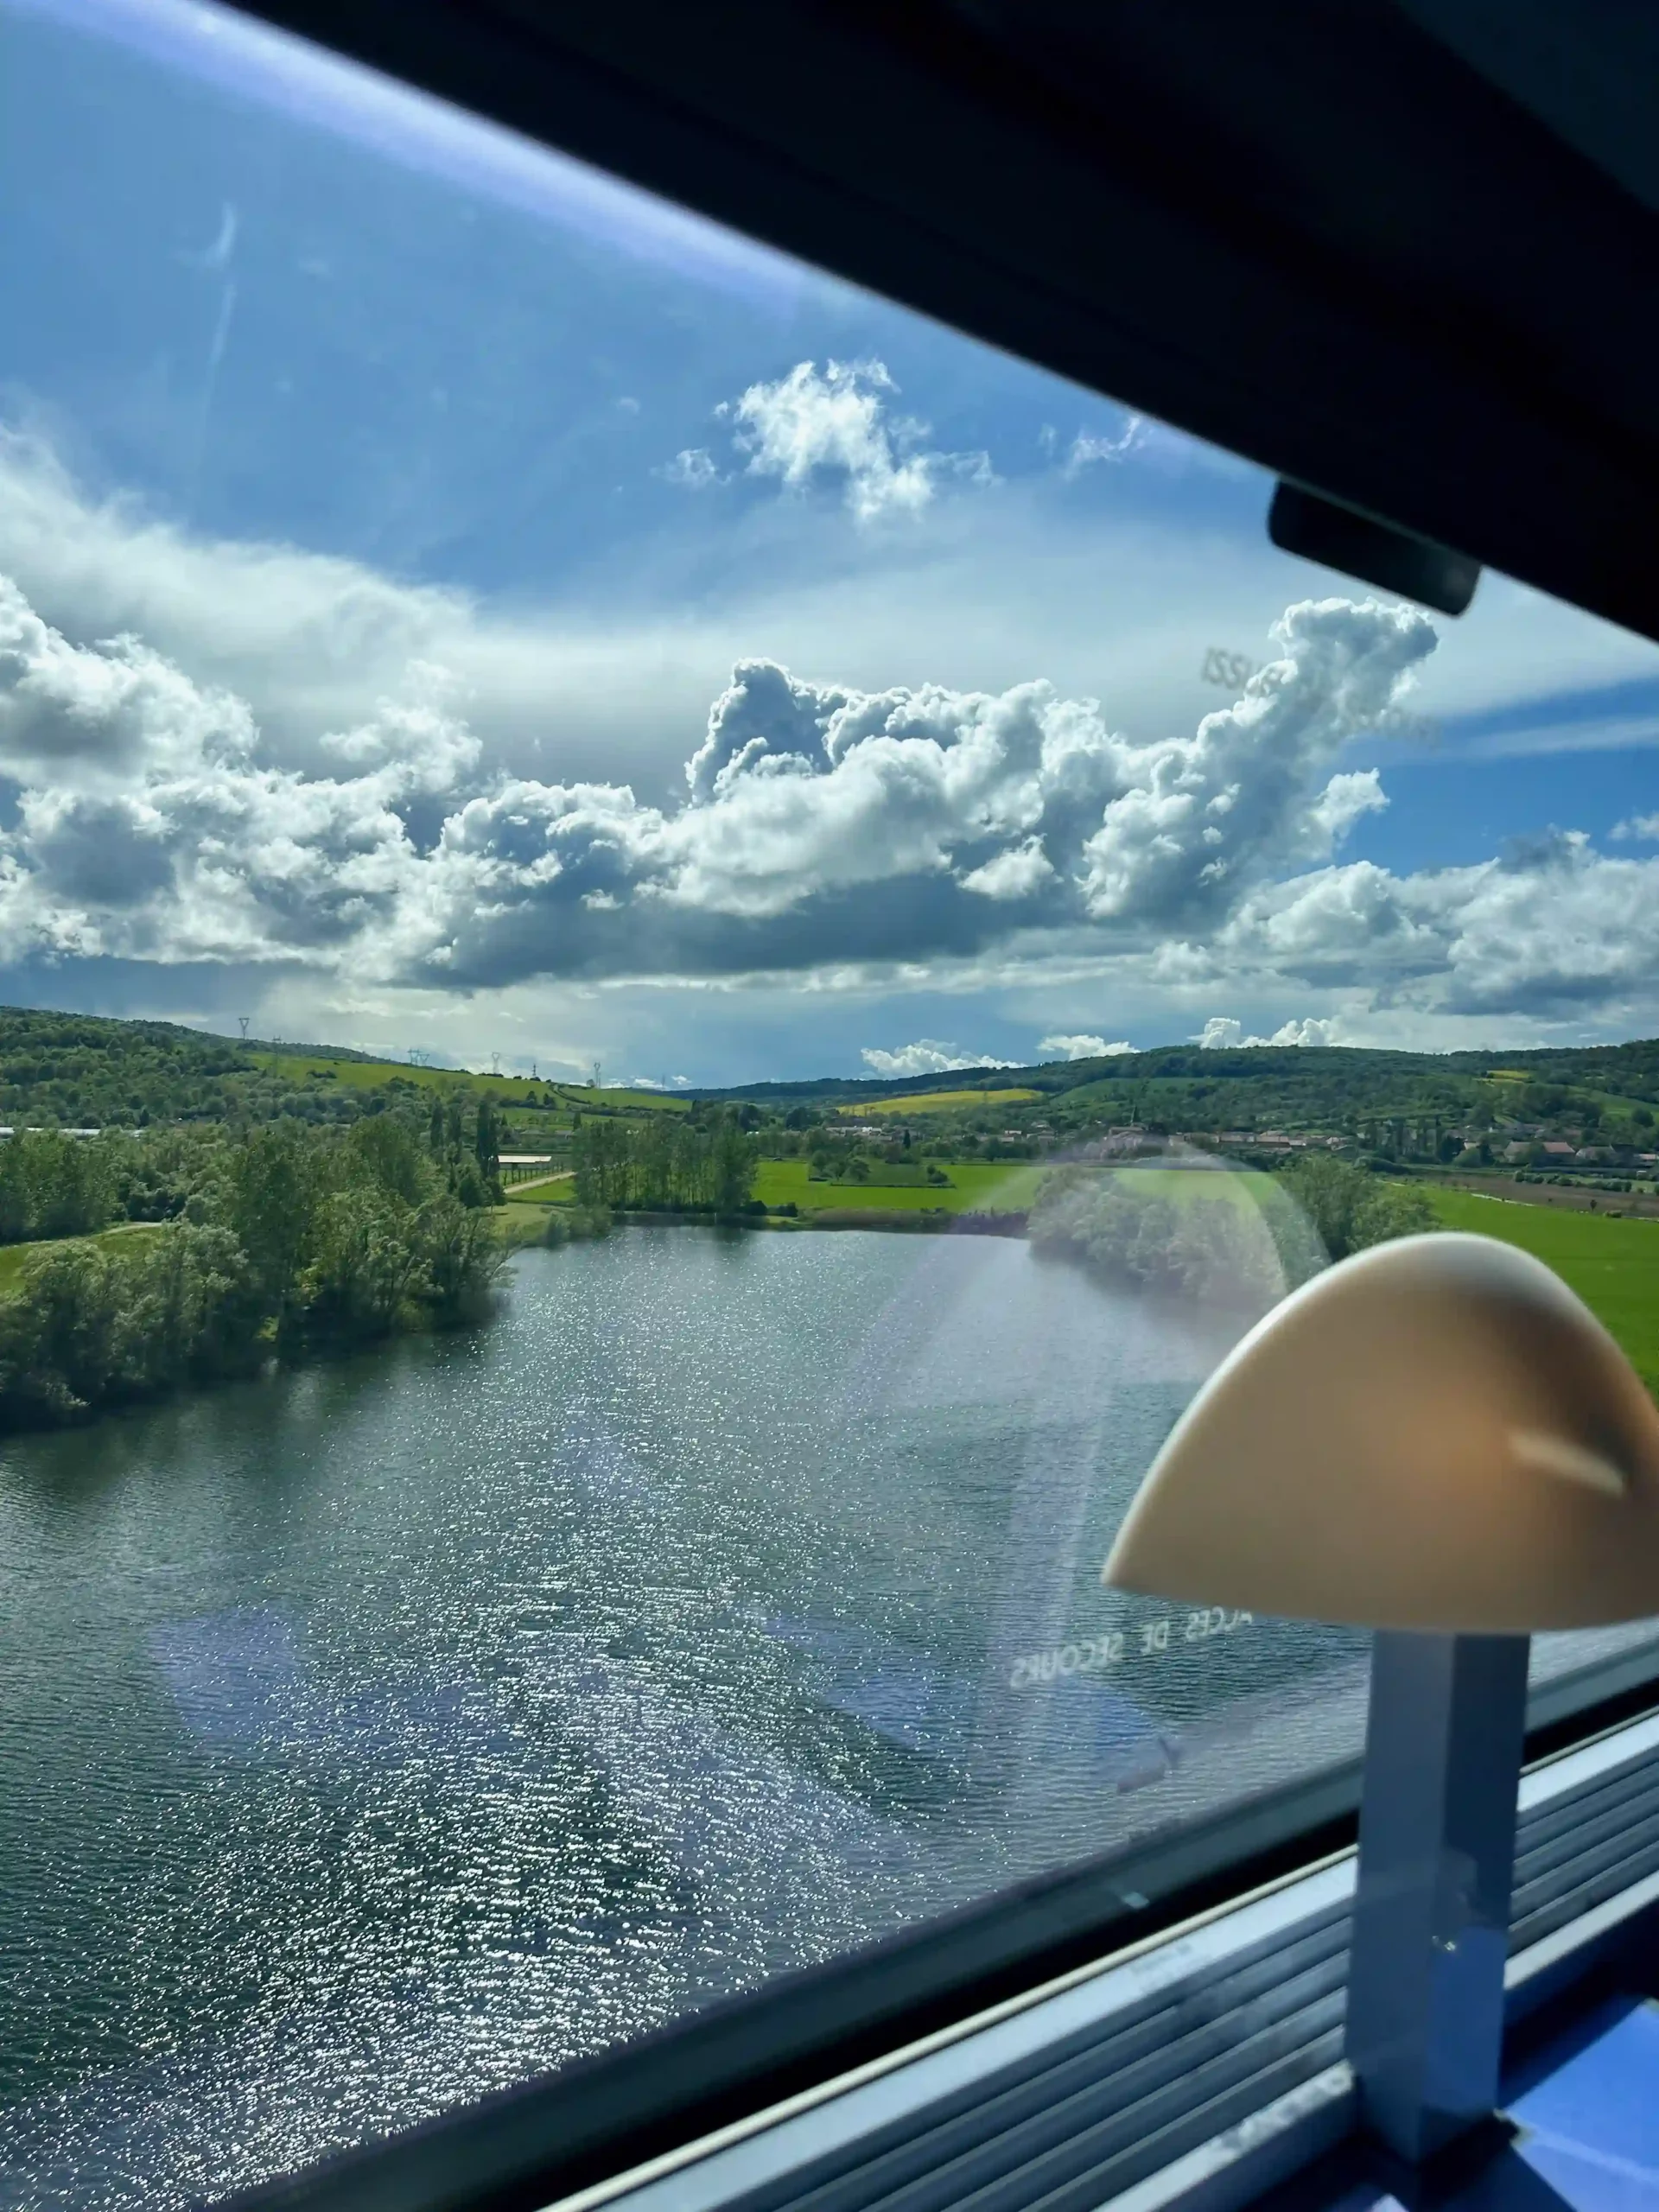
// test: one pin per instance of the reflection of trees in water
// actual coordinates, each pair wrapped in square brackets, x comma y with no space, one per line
[1214,1246]
[1224,1242]
[636,1647]
[996,1425]
[1005,1412]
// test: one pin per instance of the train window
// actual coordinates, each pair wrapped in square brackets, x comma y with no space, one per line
[680,951]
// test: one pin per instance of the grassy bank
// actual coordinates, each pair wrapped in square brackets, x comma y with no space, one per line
[507,1090]
[556,1190]
[128,1237]
[975,1186]
[979,1187]
[1612,1265]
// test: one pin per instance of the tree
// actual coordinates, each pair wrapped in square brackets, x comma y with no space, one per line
[191,1310]
[1349,1210]
[365,1264]
[601,1163]
[732,1167]
[462,1256]
[286,1235]
[388,1153]
[273,1189]
[653,1164]
[486,1141]
[55,1186]
[58,1333]
[1206,1248]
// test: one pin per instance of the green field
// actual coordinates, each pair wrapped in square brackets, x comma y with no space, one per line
[12,1256]
[1612,1265]
[512,1089]
[885,1175]
[937,1101]
[975,1186]
[979,1188]
[520,1224]
[556,1190]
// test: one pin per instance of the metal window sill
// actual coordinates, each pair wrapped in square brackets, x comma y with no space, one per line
[1197,2068]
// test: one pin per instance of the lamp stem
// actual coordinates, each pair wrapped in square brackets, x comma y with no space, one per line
[1443,1749]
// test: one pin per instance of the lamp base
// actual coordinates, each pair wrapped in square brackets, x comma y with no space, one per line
[1443,1749]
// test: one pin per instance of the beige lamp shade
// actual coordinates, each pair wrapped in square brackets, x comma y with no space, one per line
[1434,1434]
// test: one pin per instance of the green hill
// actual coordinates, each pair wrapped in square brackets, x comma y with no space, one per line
[1183,1086]
[76,1071]
[79,1070]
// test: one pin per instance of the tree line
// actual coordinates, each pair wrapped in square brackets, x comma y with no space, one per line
[666,1164]
[295,1239]
[1209,1247]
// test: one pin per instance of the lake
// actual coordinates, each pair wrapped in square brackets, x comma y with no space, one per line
[381,1733]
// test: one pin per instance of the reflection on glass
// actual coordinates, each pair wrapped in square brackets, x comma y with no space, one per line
[621,693]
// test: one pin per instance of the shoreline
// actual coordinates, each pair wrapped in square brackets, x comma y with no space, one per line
[936,1221]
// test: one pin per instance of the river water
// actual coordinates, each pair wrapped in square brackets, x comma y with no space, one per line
[380,1733]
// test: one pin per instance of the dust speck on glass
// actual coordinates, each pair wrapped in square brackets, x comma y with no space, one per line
[771,930]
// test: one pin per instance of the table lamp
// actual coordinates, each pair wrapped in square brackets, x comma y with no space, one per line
[1437,1440]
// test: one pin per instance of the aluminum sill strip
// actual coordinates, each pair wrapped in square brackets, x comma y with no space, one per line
[1199,2068]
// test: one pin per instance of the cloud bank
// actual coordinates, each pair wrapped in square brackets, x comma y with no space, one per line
[154,809]
[928,1056]
[1079,1048]
[819,823]
[1221,1034]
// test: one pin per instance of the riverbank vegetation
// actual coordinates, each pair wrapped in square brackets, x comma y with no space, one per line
[133,1258]
[967,1186]
[293,1240]
[696,1164]
[1219,1239]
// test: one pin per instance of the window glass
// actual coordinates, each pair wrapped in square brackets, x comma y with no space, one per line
[678,953]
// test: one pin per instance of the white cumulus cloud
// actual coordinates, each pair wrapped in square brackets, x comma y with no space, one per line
[228,754]
[1221,1034]
[1014,873]
[928,1056]
[155,819]
[694,468]
[834,423]
[1194,814]
[1080,1048]
[1086,450]
[1550,928]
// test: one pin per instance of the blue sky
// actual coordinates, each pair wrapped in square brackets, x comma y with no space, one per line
[385,507]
